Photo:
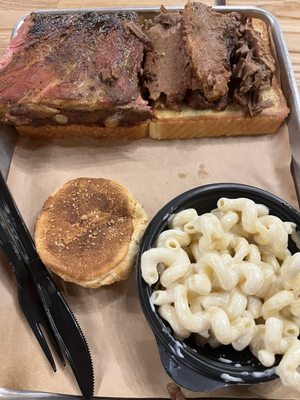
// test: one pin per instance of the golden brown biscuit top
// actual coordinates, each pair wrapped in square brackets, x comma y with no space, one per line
[86,227]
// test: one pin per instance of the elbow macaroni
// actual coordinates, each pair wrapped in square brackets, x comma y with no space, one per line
[228,278]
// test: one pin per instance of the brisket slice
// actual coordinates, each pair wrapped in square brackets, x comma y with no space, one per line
[210,38]
[167,71]
[83,62]
[252,70]
[196,100]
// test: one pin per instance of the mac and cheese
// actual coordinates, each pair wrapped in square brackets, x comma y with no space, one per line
[228,277]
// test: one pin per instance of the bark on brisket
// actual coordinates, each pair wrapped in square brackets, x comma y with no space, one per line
[93,61]
[189,59]
[220,51]
[167,71]
[210,39]
[137,31]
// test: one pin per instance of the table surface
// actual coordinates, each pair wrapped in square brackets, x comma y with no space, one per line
[287,12]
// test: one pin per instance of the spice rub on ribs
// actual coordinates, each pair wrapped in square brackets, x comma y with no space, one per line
[107,75]
[73,69]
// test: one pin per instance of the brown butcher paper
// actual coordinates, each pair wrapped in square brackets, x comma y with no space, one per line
[125,357]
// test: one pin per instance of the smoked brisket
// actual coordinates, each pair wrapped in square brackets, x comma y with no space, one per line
[210,38]
[105,68]
[206,59]
[167,71]
[253,67]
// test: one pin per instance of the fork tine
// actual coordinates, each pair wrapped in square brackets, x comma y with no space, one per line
[64,325]
[27,311]
[34,312]
[54,342]
[42,341]
[21,270]
[23,275]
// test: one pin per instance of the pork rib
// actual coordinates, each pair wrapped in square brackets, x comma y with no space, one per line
[80,62]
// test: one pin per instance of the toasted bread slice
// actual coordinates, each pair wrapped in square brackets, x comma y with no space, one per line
[187,123]
[88,232]
[62,131]
[191,123]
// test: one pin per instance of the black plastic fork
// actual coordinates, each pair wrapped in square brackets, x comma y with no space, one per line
[62,324]
[28,296]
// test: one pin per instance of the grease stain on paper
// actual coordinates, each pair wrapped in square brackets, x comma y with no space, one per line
[202,173]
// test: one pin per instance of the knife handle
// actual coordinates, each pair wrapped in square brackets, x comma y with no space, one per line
[17,264]
[15,219]
[37,269]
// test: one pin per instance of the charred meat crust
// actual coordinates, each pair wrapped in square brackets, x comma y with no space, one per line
[167,69]
[206,59]
[88,68]
[210,38]
[253,67]
[84,62]
[179,67]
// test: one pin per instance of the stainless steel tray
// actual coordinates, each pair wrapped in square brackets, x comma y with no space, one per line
[8,136]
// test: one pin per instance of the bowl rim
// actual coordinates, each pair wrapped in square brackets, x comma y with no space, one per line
[158,223]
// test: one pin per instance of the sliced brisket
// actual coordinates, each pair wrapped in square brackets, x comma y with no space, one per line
[252,70]
[85,68]
[210,39]
[167,71]
[82,62]
[196,100]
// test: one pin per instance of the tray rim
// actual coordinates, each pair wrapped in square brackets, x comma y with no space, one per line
[290,91]
[293,123]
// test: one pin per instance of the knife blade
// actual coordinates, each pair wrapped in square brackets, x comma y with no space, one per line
[62,320]
[67,330]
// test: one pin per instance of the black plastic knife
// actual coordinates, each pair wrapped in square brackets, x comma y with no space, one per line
[62,320]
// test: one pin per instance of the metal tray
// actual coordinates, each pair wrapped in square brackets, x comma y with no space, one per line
[8,137]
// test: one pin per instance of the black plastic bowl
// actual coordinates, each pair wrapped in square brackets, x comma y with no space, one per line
[204,368]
